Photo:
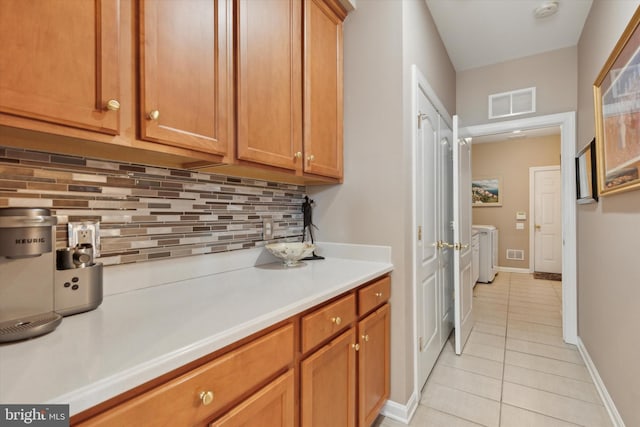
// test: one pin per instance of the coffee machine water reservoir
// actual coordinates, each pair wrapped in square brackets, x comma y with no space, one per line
[26,273]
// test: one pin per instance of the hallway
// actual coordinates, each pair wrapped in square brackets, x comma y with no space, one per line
[515,370]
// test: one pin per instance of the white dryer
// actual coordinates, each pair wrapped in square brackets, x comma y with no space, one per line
[488,267]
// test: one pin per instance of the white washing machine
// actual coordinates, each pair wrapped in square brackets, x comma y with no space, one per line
[488,267]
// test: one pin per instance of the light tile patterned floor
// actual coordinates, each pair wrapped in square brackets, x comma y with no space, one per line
[515,370]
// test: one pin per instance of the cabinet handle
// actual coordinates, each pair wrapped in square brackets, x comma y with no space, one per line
[311,158]
[154,115]
[365,338]
[298,155]
[336,320]
[113,105]
[356,347]
[379,294]
[206,397]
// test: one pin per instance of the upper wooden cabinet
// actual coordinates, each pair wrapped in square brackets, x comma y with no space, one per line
[186,79]
[240,87]
[290,62]
[269,89]
[322,89]
[59,62]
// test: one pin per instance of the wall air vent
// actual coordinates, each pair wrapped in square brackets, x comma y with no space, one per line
[514,103]
[515,254]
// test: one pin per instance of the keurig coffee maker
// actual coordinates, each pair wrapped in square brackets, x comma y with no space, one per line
[26,273]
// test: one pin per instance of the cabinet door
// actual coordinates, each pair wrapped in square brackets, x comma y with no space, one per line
[269,82]
[322,90]
[329,384]
[59,62]
[373,362]
[185,73]
[272,406]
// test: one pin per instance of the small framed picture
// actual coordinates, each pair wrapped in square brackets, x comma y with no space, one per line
[586,179]
[486,191]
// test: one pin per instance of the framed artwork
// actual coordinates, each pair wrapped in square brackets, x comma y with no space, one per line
[586,179]
[617,107]
[486,191]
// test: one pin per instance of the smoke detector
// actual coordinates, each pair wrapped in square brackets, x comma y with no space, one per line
[547,8]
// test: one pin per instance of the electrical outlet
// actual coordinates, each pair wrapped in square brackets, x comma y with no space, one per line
[267,229]
[85,232]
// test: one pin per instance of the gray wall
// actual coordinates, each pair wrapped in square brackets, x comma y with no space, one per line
[552,73]
[373,206]
[608,237]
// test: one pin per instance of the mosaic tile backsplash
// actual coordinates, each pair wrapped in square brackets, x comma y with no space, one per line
[147,213]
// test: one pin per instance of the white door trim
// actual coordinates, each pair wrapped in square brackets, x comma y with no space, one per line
[567,123]
[532,235]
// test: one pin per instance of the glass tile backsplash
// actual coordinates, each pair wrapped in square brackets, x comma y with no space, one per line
[148,212]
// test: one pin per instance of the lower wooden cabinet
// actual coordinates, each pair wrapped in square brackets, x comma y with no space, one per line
[346,381]
[373,364]
[272,406]
[201,393]
[325,367]
[329,384]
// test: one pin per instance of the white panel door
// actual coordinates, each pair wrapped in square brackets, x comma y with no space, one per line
[547,220]
[462,256]
[428,320]
[445,211]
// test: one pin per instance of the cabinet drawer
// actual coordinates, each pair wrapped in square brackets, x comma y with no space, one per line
[374,295]
[227,377]
[327,321]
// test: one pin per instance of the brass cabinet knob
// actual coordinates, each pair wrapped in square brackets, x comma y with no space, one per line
[336,320]
[365,337]
[298,155]
[379,294]
[113,105]
[154,115]
[356,347]
[206,397]
[311,157]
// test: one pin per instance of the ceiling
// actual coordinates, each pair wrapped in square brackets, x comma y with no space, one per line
[483,32]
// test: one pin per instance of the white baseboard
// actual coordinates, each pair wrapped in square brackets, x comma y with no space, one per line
[399,412]
[513,270]
[616,419]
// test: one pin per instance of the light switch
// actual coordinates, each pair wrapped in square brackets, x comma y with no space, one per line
[519,225]
[521,216]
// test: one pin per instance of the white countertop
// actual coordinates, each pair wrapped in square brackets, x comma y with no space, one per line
[139,334]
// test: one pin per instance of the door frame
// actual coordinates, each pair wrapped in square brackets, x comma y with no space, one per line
[567,123]
[532,233]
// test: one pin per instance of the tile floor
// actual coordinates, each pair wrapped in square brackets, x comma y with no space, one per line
[515,370]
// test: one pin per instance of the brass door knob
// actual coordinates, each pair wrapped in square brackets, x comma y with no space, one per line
[154,115]
[206,397]
[113,105]
[298,155]
[538,227]
[336,320]
[311,157]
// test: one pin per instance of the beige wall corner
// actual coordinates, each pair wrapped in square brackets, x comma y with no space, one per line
[608,237]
